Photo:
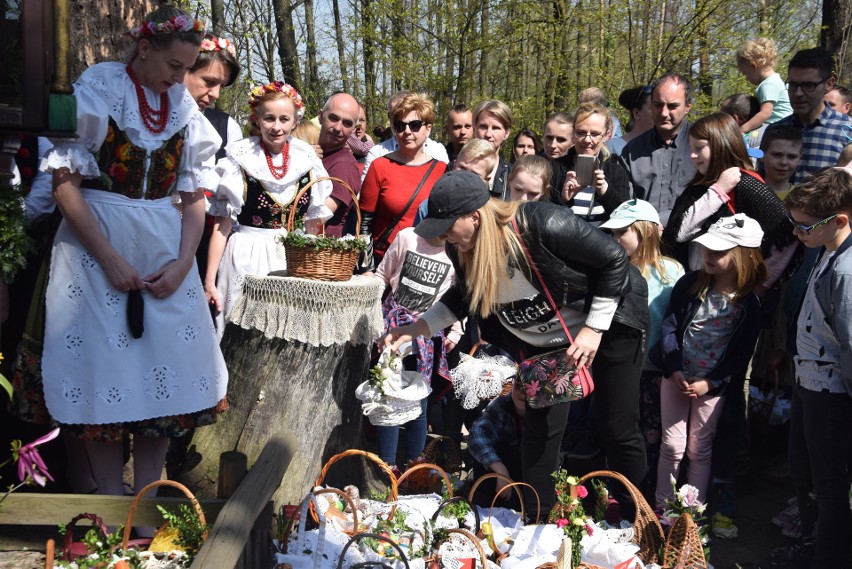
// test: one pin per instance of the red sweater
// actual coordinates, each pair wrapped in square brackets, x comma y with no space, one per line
[387,188]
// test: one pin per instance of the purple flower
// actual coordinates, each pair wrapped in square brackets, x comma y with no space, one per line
[31,464]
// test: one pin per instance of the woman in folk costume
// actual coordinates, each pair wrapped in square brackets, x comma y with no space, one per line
[129,345]
[270,168]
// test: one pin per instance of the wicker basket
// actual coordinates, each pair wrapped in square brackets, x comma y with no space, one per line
[394,490]
[321,264]
[683,546]
[647,531]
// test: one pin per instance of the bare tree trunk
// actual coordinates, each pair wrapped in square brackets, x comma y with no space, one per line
[369,48]
[217,15]
[483,57]
[836,35]
[313,71]
[341,53]
[287,42]
[100,28]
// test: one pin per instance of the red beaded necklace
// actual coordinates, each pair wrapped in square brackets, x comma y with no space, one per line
[278,172]
[155,121]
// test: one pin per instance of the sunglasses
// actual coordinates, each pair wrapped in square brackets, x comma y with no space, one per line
[806,229]
[415,126]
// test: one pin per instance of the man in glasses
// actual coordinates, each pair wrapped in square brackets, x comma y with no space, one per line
[434,149]
[658,160]
[809,77]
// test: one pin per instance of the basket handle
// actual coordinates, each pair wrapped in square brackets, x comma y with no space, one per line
[291,215]
[483,558]
[69,530]
[348,499]
[424,466]
[491,475]
[517,485]
[359,536]
[453,500]
[394,489]
[157,483]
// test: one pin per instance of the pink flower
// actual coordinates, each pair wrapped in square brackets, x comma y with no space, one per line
[582,492]
[30,462]
[561,523]
[589,529]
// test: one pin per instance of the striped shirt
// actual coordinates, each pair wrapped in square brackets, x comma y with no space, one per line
[822,140]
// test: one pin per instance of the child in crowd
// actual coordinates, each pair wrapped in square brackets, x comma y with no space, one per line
[495,439]
[708,335]
[418,272]
[821,416]
[529,179]
[782,151]
[635,224]
[757,60]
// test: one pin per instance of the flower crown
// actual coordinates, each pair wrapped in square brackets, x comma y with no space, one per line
[218,44]
[280,87]
[181,23]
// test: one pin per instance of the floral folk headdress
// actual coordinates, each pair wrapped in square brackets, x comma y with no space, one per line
[174,24]
[280,87]
[218,44]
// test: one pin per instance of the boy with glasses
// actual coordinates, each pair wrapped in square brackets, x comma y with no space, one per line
[809,77]
[821,416]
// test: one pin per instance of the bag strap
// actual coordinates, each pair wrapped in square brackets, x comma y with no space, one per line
[392,225]
[541,280]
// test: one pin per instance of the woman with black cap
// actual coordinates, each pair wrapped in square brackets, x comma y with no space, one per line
[602,300]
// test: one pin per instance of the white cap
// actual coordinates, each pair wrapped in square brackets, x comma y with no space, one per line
[728,232]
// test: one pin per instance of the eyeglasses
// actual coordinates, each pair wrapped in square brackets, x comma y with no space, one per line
[593,136]
[806,229]
[415,126]
[806,87]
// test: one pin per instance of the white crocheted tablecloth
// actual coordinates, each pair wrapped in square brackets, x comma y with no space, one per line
[319,313]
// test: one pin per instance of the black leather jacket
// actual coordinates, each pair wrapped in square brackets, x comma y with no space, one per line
[576,260]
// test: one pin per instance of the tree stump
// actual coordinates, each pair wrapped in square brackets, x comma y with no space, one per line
[275,383]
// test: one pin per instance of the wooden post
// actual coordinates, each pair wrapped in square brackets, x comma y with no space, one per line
[233,467]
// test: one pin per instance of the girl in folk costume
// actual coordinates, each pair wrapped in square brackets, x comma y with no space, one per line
[271,168]
[129,347]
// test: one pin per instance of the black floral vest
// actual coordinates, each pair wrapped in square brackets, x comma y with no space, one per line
[122,166]
[262,209]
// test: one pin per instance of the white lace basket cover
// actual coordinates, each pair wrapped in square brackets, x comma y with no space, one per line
[400,402]
[319,313]
[482,377]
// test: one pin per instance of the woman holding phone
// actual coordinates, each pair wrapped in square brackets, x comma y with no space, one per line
[587,179]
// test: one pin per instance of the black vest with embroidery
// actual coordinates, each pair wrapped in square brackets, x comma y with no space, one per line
[262,209]
[122,166]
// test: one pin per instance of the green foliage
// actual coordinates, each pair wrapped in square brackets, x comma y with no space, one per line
[319,242]
[188,523]
[14,242]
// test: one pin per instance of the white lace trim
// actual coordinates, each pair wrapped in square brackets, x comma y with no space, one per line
[249,154]
[72,155]
[110,82]
[318,313]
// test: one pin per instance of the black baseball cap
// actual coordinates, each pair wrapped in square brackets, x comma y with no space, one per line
[456,193]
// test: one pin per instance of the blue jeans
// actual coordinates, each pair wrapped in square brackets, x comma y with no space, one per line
[415,438]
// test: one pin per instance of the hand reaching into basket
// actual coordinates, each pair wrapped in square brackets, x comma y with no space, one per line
[397,337]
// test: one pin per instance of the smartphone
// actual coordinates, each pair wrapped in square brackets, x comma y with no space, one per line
[585,167]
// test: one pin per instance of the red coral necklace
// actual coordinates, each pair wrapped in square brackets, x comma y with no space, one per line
[155,121]
[278,172]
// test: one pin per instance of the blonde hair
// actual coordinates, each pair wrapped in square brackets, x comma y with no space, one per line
[478,149]
[751,272]
[498,109]
[486,265]
[307,131]
[648,254]
[586,110]
[761,53]
[537,167]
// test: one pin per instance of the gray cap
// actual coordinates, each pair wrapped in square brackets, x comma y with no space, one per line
[456,193]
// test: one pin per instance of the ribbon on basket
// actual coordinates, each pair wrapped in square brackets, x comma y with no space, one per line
[301,560]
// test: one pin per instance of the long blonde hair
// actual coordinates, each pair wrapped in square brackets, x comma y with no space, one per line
[486,265]
[647,253]
[751,271]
